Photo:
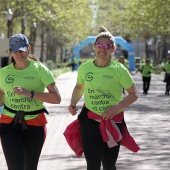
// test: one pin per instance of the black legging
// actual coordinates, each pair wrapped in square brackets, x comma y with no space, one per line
[22,148]
[167,78]
[167,87]
[146,84]
[95,150]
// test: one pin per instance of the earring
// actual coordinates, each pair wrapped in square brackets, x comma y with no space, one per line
[113,49]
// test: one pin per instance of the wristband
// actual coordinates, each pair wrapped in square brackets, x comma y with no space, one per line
[32,93]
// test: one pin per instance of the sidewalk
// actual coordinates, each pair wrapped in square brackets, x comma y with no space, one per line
[147,120]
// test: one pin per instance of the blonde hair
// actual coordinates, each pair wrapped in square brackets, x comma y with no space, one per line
[104,33]
[33,57]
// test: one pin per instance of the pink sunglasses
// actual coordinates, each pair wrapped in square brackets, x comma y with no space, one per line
[107,46]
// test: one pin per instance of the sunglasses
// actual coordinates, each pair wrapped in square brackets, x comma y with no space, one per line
[107,46]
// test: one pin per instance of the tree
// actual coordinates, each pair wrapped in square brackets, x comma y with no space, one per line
[150,18]
[66,20]
[132,18]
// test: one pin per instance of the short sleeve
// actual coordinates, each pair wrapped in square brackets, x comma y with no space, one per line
[80,77]
[125,78]
[46,75]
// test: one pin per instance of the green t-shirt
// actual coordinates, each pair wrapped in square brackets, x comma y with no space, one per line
[167,67]
[35,77]
[126,63]
[146,70]
[103,85]
[76,60]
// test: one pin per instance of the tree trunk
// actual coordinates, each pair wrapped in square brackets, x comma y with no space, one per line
[61,54]
[23,26]
[164,48]
[42,45]
[146,49]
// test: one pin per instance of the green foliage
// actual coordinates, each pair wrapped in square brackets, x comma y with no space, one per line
[111,15]
[67,19]
[59,71]
[51,65]
[64,23]
[151,17]
[123,17]
[56,65]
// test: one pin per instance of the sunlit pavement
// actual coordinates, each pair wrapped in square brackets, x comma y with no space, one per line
[148,121]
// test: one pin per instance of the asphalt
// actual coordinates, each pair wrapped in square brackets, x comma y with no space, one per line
[148,121]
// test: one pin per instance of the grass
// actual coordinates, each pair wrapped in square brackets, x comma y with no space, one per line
[60,71]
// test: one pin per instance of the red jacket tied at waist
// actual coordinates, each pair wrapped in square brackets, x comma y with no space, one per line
[109,130]
[73,137]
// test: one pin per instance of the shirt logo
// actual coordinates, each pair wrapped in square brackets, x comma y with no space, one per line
[9,78]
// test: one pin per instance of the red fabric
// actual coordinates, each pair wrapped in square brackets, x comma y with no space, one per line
[128,141]
[73,137]
[38,121]
[103,125]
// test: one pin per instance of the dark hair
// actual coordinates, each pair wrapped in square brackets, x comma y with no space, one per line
[168,57]
[104,33]
[11,59]
[147,60]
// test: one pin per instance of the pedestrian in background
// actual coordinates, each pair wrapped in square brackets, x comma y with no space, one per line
[146,71]
[166,69]
[22,123]
[100,81]
[124,61]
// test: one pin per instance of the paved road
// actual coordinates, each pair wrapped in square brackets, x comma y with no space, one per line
[148,121]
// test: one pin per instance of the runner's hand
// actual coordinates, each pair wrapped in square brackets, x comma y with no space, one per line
[72,109]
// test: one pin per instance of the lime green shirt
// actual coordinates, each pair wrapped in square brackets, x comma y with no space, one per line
[103,85]
[35,77]
[167,67]
[126,63]
[76,60]
[146,70]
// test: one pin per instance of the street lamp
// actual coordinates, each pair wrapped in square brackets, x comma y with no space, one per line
[9,21]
